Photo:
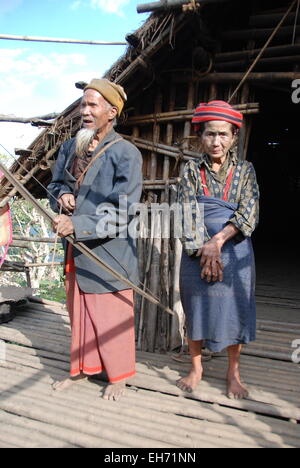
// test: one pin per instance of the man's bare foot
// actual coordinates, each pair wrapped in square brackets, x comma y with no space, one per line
[190,383]
[67,383]
[235,388]
[114,391]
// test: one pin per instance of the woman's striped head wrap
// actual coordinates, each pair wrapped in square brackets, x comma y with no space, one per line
[216,110]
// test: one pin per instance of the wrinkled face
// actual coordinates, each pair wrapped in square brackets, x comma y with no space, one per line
[95,111]
[217,138]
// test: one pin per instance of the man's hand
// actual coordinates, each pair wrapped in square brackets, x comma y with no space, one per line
[63,225]
[67,201]
[211,261]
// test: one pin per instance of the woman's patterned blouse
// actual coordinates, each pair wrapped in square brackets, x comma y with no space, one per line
[243,190]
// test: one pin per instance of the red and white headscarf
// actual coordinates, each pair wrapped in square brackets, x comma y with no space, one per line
[216,110]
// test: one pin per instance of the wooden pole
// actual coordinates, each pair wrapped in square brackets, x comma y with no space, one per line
[156,136]
[164,330]
[268,77]
[271,19]
[265,62]
[38,265]
[12,118]
[177,324]
[276,51]
[42,240]
[147,264]
[247,34]
[158,43]
[167,5]
[9,37]
[188,124]
[174,116]
[161,148]
[154,284]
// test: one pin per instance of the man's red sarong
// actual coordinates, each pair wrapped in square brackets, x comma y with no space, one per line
[103,337]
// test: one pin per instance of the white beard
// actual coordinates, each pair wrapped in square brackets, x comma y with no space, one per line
[83,140]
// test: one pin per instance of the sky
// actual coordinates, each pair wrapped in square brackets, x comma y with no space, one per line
[39,78]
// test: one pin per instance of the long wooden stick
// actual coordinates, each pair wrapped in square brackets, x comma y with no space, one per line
[55,244]
[250,54]
[268,77]
[79,245]
[181,115]
[57,40]
[38,265]
[13,118]
[43,240]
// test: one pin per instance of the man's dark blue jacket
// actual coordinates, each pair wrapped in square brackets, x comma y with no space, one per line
[117,173]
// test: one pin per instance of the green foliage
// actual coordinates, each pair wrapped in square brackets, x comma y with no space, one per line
[6,160]
[28,223]
[53,291]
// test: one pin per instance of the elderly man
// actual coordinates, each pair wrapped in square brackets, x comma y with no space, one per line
[92,172]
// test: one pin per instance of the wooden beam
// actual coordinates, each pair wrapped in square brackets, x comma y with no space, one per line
[162,39]
[41,123]
[268,77]
[43,240]
[181,115]
[166,5]
[264,62]
[272,19]
[57,40]
[276,51]
[256,34]
[13,266]
[23,152]
[166,150]
[153,183]
[25,120]
[38,265]
[20,245]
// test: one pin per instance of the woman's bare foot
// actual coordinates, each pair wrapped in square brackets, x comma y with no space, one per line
[114,392]
[190,383]
[235,388]
[66,383]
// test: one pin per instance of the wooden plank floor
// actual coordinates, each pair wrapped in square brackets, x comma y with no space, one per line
[154,412]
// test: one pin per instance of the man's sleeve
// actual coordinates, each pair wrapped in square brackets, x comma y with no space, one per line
[57,187]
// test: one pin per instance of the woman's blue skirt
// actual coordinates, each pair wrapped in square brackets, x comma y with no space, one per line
[221,313]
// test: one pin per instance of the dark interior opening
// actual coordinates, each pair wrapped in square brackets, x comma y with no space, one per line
[274,151]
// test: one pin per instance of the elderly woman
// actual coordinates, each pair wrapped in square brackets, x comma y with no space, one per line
[217,268]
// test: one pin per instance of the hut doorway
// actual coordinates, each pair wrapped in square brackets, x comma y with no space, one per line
[274,151]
